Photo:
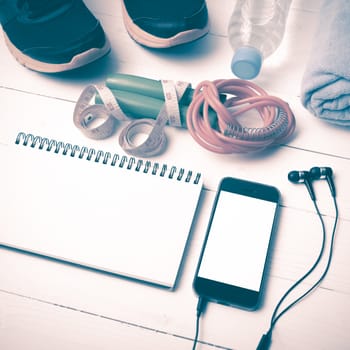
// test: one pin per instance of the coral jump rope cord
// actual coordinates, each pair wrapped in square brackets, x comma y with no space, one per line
[231,136]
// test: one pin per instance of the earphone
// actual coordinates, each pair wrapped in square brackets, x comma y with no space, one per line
[315,173]
[306,177]
[319,173]
[296,176]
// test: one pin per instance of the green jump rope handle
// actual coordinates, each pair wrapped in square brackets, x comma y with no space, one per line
[140,106]
[143,86]
[141,97]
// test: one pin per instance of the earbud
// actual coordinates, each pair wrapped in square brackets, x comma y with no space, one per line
[302,177]
[319,173]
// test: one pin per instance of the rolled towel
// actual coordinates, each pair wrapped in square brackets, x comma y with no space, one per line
[325,87]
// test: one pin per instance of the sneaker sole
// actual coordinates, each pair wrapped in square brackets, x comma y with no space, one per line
[77,61]
[152,41]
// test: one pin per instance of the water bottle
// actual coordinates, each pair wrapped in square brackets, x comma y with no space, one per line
[256,29]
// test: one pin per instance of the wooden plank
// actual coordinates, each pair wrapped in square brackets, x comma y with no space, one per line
[44,304]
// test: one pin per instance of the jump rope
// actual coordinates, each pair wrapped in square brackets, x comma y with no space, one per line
[210,112]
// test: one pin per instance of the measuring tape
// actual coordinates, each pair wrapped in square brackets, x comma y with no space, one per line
[99,121]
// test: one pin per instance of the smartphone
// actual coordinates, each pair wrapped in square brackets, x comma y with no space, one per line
[238,240]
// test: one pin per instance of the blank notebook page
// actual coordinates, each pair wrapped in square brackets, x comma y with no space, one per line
[107,217]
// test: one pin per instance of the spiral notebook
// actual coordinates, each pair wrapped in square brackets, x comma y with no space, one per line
[95,209]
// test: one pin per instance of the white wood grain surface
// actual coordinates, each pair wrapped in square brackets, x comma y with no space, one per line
[48,305]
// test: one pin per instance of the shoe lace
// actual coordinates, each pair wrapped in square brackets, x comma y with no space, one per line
[38,8]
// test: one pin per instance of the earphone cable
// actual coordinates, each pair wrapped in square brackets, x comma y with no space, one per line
[266,339]
[202,302]
[275,317]
[330,256]
[197,332]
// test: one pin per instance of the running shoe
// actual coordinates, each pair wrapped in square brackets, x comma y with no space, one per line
[52,35]
[165,23]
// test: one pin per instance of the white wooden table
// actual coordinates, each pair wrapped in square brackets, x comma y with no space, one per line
[49,305]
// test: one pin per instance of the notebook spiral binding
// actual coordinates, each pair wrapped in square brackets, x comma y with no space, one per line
[105,157]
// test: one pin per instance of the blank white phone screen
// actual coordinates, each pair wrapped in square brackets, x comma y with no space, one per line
[237,244]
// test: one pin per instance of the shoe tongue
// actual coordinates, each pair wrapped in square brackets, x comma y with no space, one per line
[39,8]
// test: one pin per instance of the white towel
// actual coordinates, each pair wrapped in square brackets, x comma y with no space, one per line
[325,88]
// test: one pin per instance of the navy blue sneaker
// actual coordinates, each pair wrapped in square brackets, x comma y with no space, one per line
[165,23]
[52,35]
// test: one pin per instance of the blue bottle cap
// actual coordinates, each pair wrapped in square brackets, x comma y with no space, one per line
[246,62]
